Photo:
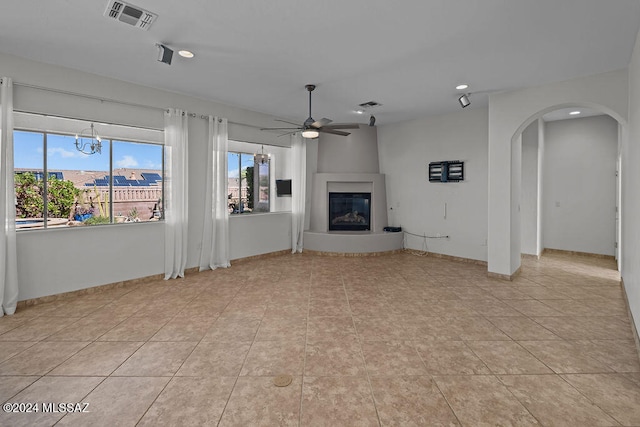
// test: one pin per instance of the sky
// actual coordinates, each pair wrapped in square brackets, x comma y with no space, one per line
[233,165]
[28,148]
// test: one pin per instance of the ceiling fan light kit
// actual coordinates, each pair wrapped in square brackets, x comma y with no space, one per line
[310,133]
[312,129]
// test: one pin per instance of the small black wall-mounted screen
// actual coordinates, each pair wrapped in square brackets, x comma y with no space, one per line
[283,187]
[446,171]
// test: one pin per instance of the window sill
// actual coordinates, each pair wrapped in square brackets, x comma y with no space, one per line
[86,227]
[250,214]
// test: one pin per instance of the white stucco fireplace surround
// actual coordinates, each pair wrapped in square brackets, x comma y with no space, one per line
[349,164]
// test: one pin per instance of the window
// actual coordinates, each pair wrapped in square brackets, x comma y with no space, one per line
[58,186]
[249,182]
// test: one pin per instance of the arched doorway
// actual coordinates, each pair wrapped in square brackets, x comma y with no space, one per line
[509,114]
[569,184]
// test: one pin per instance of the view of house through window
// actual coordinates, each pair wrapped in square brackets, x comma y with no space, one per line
[59,186]
[248,181]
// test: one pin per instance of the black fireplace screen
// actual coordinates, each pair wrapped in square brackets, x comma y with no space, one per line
[349,211]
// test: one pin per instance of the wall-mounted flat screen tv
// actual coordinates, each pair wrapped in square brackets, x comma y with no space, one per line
[283,187]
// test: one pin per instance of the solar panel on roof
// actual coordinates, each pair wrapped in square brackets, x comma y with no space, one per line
[152,176]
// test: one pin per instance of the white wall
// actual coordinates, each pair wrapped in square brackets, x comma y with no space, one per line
[49,261]
[415,204]
[542,129]
[355,153]
[630,214]
[257,234]
[580,184]
[529,196]
[509,114]
[516,195]
[63,260]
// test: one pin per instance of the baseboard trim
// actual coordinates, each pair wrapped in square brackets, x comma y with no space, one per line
[351,254]
[585,254]
[634,330]
[509,277]
[88,291]
[444,256]
[128,283]
[261,256]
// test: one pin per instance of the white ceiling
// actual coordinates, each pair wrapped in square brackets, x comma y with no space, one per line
[407,55]
[563,114]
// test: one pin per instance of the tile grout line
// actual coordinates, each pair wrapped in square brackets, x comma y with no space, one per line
[366,370]
[174,374]
[306,341]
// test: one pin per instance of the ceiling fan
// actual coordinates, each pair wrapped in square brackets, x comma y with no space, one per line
[311,128]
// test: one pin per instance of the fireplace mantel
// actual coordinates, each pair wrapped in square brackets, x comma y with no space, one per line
[357,154]
[324,183]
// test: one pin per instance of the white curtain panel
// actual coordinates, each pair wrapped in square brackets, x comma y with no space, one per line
[176,200]
[298,190]
[8,256]
[215,239]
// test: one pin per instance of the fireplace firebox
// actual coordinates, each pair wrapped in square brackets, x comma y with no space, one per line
[350,211]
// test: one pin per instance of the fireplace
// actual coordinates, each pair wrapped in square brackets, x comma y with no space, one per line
[350,211]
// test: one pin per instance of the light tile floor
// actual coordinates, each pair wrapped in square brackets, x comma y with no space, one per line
[397,340]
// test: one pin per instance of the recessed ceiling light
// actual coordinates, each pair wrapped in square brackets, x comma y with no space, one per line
[359,112]
[462,87]
[574,113]
[186,53]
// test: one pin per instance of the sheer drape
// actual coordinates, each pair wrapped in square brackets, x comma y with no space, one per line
[176,199]
[215,239]
[8,256]
[298,191]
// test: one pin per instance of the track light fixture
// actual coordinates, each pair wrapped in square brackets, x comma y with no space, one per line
[464,100]
[164,54]
[372,120]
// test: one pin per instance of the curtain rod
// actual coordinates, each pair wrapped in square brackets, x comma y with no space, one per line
[115,101]
[83,95]
[59,116]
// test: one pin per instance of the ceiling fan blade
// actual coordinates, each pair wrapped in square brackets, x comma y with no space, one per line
[288,133]
[285,121]
[320,123]
[333,132]
[293,129]
[344,126]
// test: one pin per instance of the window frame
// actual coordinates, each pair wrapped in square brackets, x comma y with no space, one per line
[256,183]
[111,140]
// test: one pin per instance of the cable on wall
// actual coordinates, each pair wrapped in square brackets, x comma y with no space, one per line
[427,237]
[424,251]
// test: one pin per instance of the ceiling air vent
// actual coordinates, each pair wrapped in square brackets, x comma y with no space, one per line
[130,14]
[370,104]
